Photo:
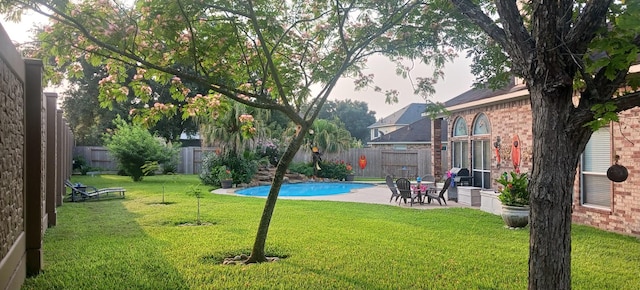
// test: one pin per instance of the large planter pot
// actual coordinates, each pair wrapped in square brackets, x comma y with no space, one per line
[349,177]
[515,216]
[226,183]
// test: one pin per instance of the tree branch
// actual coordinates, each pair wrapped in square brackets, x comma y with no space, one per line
[585,27]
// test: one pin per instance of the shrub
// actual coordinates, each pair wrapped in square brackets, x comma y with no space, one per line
[242,169]
[513,191]
[303,168]
[333,170]
[269,149]
[173,153]
[132,146]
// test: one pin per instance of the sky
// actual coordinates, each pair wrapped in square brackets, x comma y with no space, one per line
[457,80]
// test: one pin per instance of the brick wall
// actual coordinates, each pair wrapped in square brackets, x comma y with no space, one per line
[514,117]
[507,119]
[624,214]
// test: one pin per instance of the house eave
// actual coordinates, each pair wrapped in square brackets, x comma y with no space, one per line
[520,94]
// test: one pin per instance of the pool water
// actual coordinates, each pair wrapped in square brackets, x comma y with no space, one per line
[305,189]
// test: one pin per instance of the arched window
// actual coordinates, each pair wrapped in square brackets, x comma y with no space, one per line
[460,147]
[481,158]
[460,128]
[481,126]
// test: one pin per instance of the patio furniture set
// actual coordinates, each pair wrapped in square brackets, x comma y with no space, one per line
[424,189]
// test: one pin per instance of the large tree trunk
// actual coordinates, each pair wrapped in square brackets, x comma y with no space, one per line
[257,253]
[557,145]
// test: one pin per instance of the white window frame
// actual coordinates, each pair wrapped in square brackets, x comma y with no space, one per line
[484,160]
[595,161]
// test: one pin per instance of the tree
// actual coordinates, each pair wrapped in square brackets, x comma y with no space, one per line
[354,114]
[553,45]
[133,146]
[330,136]
[264,54]
[89,120]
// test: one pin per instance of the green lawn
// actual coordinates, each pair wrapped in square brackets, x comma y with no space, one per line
[141,243]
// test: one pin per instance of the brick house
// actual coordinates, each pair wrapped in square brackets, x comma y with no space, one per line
[483,124]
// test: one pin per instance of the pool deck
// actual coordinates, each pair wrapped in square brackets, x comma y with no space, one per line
[377,194]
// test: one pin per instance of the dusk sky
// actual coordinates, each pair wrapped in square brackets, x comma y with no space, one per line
[458,78]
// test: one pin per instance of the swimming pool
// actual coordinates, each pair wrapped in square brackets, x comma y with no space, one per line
[306,189]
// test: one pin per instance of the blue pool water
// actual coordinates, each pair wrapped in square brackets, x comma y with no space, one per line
[305,189]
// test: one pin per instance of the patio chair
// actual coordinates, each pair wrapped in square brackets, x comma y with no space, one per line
[404,187]
[81,192]
[431,193]
[392,187]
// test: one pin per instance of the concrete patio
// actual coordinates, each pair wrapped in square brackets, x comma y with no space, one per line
[377,194]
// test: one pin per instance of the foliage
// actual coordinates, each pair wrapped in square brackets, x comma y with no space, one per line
[304,168]
[355,116]
[242,169]
[89,119]
[514,191]
[269,149]
[173,151]
[133,146]
[80,163]
[124,253]
[333,170]
[276,55]
[223,173]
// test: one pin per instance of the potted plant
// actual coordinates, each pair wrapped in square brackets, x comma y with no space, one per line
[350,174]
[514,198]
[225,177]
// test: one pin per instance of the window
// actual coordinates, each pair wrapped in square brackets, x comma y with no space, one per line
[460,128]
[481,158]
[400,147]
[595,187]
[460,154]
[460,148]
[482,163]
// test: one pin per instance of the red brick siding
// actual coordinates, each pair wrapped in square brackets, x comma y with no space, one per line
[508,119]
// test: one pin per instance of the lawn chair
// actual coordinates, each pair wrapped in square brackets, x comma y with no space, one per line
[404,187]
[392,187]
[81,192]
[431,193]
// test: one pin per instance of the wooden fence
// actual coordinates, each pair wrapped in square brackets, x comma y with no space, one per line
[380,162]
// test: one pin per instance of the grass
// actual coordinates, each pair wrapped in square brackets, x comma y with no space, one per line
[142,243]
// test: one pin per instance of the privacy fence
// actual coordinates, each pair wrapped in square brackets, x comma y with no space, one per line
[379,162]
[35,159]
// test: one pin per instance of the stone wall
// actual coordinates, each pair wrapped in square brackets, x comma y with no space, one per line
[11,154]
[12,185]
[27,198]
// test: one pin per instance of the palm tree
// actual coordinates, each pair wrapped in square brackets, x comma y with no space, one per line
[226,131]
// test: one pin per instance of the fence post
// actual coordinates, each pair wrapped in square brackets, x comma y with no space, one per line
[35,148]
[52,158]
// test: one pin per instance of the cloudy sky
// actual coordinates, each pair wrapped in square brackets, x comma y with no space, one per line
[458,78]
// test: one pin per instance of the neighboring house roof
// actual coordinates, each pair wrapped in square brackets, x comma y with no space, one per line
[405,116]
[416,132]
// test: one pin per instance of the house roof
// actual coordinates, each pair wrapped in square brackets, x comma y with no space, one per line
[405,116]
[474,95]
[416,132]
